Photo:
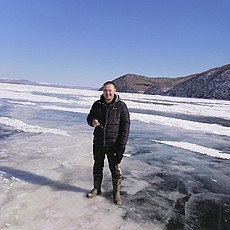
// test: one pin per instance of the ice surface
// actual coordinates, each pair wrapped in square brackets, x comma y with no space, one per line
[175,170]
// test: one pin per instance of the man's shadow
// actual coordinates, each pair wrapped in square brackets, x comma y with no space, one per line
[10,173]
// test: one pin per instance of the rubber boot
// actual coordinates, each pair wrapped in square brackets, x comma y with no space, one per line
[97,187]
[116,191]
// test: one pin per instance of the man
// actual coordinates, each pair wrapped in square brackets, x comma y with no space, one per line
[110,118]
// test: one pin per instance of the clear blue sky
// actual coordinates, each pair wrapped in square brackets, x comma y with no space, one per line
[86,42]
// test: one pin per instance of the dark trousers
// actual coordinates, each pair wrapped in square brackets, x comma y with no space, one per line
[99,158]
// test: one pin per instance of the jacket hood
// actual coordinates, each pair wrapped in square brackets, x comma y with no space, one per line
[115,99]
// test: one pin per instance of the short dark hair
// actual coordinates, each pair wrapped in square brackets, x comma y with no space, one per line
[109,83]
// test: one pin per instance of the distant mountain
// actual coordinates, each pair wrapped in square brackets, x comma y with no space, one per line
[26,82]
[18,81]
[213,83]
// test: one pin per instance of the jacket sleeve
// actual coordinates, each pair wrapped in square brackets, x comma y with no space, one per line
[123,132]
[91,115]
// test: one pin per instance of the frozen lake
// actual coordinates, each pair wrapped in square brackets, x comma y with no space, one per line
[175,170]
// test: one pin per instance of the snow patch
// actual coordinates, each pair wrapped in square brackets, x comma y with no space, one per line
[22,126]
[196,148]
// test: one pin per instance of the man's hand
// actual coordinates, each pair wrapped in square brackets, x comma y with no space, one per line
[119,153]
[95,123]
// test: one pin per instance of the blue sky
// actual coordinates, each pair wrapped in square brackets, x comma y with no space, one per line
[87,42]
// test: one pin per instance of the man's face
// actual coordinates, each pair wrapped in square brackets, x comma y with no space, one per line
[108,92]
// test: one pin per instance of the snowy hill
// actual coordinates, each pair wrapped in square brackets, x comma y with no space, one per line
[213,83]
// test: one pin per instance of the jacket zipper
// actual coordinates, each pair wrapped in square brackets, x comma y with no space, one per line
[106,120]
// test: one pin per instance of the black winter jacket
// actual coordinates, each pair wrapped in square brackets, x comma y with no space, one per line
[115,124]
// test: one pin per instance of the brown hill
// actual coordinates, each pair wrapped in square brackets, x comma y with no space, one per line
[133,83]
